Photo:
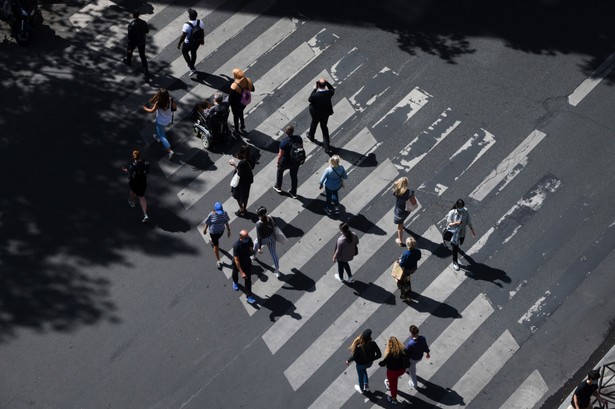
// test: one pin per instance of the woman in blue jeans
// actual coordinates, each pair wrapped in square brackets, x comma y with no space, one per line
[364,352]
[164,106]
[333,179]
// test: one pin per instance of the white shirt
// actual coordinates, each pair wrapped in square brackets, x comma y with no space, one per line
[187,28]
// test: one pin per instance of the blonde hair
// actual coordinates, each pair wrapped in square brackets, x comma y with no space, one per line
[394,348]
[357,341]
[400,186]
[237,73]
[136,154]
[334,161]
[410,243]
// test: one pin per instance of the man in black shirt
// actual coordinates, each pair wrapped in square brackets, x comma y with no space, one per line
[321,109]
[290,156]
[242,264]
[582,395]
[137,29]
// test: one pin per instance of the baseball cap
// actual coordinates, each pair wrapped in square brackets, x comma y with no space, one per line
[218,208]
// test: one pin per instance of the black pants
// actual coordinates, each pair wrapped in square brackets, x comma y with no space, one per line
[189,53]
[247,281]
[141,48]
[456,250]
[238,116]
[322,120]
[341,266]
[293,170]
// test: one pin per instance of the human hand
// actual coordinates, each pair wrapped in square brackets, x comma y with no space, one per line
[260,251]
[243,275]
[427,356]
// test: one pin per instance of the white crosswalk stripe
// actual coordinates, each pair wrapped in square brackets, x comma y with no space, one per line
[357,102]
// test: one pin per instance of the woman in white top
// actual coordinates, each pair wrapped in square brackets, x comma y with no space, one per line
[456,221]
[164,106]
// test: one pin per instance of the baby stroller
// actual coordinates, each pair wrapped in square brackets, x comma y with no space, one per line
[211,125]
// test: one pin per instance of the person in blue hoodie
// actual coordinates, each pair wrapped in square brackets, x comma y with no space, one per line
[333,180]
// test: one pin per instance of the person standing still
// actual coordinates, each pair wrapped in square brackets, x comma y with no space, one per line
[456,221]
[137,172]
[240,85]
[321,109]
[364,352]
[290,145]
[415,348]
[333,180]
[409,263]
[193,36]
[242,264]
[216,222]
[581,399]
[137,29]
[346,247]
[241,192]
[164,106]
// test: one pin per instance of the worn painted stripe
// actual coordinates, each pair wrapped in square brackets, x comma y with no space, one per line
[374,88]
[460,162]
[592,81]
[401,113]
[483,370]
[347,323]
[507,169]
[528,394]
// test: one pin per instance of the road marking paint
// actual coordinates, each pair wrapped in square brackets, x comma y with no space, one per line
[592,81]
[528,394]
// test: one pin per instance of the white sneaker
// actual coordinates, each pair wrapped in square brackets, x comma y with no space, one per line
[350,279]
[253,257]
[358,388]
[455,266]
[337,277]
[386,383]
[191,72]
[171,153]
[156,138]
[276,273]
[413,386]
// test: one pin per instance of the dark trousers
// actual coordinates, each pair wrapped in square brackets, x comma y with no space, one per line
[189,53]
[293,170]
[341,266]
[322,120]
[456,250]
[238,116]
[247,281]
[141,48]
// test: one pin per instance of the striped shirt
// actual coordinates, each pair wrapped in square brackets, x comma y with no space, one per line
[216,222]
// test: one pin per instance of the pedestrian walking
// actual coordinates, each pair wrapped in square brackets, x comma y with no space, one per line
[409,263]
[321,109]
[457,219]
[265,234]
[239,97]
[216,222]
[402,194]
[395,362]
[242,264]
[363,352]
[243,170]
[346,247]
[581,399]
[137,171]
[192,37]
[291,155]
[415,348]
[333,180]
[164,106]
[137,30]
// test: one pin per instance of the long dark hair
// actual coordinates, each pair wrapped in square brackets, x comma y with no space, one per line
[459,204]
[345,229]
[162,98]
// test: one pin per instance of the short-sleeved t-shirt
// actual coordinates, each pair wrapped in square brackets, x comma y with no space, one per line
[187,28]
[286,146]
[584,393]
[243,251]
[217,222]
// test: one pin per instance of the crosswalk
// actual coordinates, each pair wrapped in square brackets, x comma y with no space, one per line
[393,117]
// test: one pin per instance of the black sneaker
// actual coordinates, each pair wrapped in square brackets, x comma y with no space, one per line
[125,61]
[293,195]
[277,189]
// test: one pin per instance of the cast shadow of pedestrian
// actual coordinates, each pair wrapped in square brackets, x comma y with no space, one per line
[435,393]
[480,271]
[288,229]
[362,223]
[372,292]
[197,159]
[435,308]
[168,220]
[297,281]
[263,141]
[357,159]
[437,249]
[280,306]
[218,82]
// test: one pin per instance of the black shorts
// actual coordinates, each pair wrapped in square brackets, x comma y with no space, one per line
[215,238]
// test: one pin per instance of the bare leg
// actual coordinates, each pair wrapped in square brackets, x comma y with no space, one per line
[400,232]
[216,252]
[143,205]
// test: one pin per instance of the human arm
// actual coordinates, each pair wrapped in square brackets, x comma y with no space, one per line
[238,265]
[152,109]
[173,105]
[335,252]
[599,398]
[183,36]
[324,177]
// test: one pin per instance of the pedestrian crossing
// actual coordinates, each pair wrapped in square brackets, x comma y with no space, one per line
[282,88]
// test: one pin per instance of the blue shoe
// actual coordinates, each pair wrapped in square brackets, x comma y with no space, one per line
[250,300]
[235,287]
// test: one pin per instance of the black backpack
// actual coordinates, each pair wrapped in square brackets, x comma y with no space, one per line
[297,153]
[197,35]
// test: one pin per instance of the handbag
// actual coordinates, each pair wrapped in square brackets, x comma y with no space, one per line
[447,235]
[235,180]
[278,233]
[396,271]
[411,203]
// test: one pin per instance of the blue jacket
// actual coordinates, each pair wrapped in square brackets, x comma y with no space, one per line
[332,177]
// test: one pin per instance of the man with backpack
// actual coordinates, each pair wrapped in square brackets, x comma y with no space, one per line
[193,35]
[137,29]
[290,156]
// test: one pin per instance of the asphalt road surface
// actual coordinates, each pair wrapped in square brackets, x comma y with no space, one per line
[505,105]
